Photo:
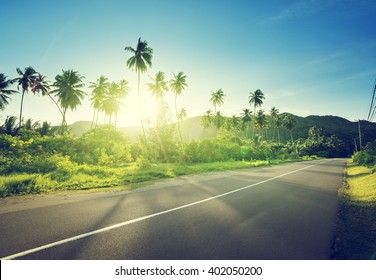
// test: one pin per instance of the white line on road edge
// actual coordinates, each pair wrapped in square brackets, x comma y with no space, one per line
[37,249]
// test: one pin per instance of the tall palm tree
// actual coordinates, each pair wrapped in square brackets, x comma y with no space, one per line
[246,119]
[290,124]
[260,120]
[273,115]
[139,62]
[25,81]
[177,85]
[111,103]
[255,98]
[182,114]
[217,100]
[100,88]
[278,123]
[4,91]
[157,87]
[234,123]
[68,91]
[207,119]
[42,86]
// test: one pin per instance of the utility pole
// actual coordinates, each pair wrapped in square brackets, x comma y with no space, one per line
[360,137]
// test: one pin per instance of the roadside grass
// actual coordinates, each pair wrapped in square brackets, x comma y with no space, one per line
[117,178]
[356,226]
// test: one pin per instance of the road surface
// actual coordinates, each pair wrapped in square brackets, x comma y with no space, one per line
[285,211]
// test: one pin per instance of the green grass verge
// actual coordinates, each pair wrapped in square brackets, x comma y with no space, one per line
[105,178]
[356,227]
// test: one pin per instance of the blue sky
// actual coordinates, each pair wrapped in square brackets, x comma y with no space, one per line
[308,57]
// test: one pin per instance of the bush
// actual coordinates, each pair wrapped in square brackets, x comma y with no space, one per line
[18,184]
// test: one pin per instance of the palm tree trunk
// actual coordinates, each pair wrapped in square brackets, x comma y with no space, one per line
[57,105]
[64,122]
[279,140]
[22,98]
[139,103]
[177,119]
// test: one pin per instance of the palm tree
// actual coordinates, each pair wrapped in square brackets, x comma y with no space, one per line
[278,123]
[25,81]
[255,98]
[290,124]
[10,127]
[68,91]
[111,103]
[246,119]
[177,85]
[219,120]
[45,129]
[42,86]
[100,88]
[139,62]
[157,87]
[182,114]
[274,114]
[207,119]
[4,91]
[260,120]
[234,123]
[217,100]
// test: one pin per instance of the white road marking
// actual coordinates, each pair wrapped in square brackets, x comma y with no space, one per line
[73,238]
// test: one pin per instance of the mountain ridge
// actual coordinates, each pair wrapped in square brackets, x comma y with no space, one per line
[191,129]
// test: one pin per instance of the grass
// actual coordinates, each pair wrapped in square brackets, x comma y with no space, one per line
[356,228]
[105,178]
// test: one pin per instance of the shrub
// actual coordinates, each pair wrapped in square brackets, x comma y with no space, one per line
[18,184]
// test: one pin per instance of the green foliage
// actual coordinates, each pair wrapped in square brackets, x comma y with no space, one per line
[322,146]
[18,184]
[367,156]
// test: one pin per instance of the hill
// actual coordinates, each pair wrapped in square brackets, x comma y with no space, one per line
[191,129]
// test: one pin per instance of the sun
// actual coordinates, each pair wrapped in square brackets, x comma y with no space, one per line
[135,109]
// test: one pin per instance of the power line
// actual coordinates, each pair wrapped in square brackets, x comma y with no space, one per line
[372,107]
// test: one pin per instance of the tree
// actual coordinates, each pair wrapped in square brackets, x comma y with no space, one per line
[260,120]
[68,91]
[157,88]
[4,91]
[139,62]
[100,88]
[207,119]
[255,98]
[10,127]
[177,85]
[233,123]
[219,120]
[246,119]
[217,100]
[42,86]
[182,114]
[273,115]
[25,81]
[111,103]
[290,124]
[158,85]
[278,123]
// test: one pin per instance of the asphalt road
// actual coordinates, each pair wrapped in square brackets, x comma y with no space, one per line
[280,212]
